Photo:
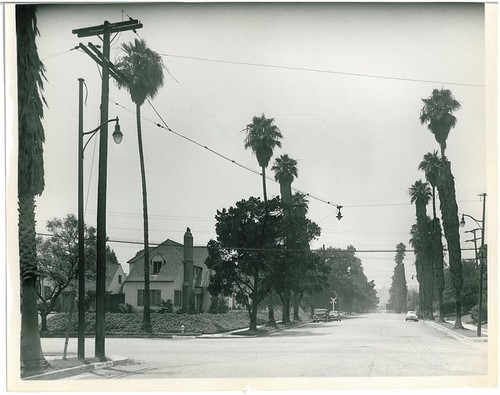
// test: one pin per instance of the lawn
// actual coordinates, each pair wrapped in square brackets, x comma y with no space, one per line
[168,323]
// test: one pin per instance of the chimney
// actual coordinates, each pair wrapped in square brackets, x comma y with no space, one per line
[187,285]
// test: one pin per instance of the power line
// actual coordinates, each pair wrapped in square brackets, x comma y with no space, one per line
[320,70]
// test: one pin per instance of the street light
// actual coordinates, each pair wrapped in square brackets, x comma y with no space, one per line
[117,137]
[482,227]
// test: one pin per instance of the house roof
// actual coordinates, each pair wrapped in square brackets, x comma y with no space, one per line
[111,269]
[173,255]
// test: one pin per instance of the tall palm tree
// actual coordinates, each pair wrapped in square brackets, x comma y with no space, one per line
[438,113]
[143,71]
[420,193]
[416,244]
[449,211]
[262,137]
[430,165]
[30,76]
[285,170]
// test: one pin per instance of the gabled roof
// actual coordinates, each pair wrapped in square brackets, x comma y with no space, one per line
[111,269]
[173,255]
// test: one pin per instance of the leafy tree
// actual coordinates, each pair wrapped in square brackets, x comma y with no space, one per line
[30,76]
[57,257]
[399,290]
[285,170]
[347,282]
[262,136]
[143,71]
[437,112]
[242,255]
[470,288]
[420,195]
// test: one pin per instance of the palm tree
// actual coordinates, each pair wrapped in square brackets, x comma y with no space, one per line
[285,170]
[449,211]
[420,193]
[262,137]
[437,112]
[416,244]
[30,76]
[143,71]
[430,166]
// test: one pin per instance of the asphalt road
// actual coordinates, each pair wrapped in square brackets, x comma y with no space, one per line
[372,345]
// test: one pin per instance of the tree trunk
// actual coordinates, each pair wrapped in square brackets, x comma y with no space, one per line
[286,307]
[32,358]
[449,212]
[146,320]
[253,316]
[43,316]
[270,306]
[296,307]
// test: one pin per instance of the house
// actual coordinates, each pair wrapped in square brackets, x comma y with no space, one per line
[177,273]
[115,278]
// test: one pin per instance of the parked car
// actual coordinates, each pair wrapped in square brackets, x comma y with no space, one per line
[411,316]
[335,316]
[321,315]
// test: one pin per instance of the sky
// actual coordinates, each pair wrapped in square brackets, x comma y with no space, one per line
[343,82]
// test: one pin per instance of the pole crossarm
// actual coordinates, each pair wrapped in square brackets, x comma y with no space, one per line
[99,59]
[113,28]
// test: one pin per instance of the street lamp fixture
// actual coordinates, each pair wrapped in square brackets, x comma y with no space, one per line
[117,137]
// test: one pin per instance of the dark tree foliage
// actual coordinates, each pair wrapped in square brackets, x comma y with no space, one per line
[398,291]
[347,282]
[57,258]
[242,256]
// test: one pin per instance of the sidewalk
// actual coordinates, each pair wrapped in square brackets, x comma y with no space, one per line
[469,333]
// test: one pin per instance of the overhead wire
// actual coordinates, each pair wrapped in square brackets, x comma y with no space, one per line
[320,70]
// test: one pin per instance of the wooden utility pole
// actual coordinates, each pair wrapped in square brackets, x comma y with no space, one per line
[105,30]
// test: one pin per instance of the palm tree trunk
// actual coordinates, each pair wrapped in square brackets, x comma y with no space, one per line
[32,358]
[264,188]
[146,320]
[449,211]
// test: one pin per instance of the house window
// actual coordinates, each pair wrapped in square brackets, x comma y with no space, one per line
[196,272]
[177,298]
[119,279]
[154,297]
[156,264]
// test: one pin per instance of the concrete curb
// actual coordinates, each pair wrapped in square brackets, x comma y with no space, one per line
[455,334]
[64,373]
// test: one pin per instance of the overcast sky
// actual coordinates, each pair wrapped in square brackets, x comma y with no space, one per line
[345,90]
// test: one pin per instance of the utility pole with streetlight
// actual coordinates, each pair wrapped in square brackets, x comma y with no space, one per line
[106,29]
[117,137]
[482,257]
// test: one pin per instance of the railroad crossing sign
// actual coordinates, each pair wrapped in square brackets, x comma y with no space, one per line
[332,301]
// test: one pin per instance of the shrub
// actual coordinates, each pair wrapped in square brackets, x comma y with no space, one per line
[474,314]
[165,307]
[218,305]
[124,308]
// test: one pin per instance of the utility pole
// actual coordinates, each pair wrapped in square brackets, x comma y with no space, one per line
[81,230]
[482,256]
[106,29]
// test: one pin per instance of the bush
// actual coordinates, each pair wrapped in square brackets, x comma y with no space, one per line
[165,307]
[474,314]
[218,305]
[124,308]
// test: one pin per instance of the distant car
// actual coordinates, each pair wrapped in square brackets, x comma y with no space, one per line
[335,316]
[411,316]
[321,315]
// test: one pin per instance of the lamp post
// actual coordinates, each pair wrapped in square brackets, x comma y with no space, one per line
[482,226]
[117,137]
